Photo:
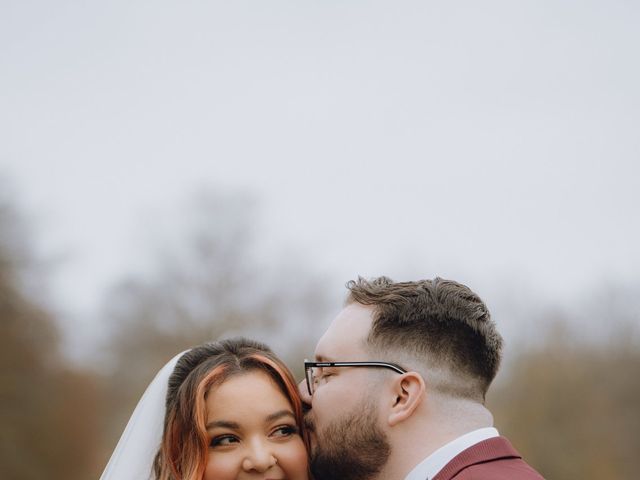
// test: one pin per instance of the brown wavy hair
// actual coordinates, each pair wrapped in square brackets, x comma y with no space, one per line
[183,451]
[440,323]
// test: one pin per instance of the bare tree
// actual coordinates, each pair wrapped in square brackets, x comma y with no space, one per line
[41,398]
[572,404]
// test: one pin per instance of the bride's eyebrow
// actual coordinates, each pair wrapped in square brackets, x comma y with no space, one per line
[280,414]
[236,426]
[223,424]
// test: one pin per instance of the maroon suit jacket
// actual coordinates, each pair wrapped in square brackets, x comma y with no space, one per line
[491,459]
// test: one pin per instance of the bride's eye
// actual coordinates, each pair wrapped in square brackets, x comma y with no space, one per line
[223,440]
[285,431]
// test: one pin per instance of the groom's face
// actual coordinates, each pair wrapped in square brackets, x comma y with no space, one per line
[347,440]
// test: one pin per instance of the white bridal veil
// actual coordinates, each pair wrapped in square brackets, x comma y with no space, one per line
[133,457]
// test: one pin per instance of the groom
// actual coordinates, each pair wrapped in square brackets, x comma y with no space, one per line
[398,387]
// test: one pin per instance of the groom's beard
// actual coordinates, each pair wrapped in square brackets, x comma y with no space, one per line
[352,447]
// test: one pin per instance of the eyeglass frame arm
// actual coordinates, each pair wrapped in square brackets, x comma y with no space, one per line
[308,365]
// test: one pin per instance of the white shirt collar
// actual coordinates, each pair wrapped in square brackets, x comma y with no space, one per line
[435,462]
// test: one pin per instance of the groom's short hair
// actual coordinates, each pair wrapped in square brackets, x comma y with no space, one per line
[440,324]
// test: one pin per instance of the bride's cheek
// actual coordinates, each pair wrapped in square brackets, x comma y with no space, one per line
[221,467]
[296,459]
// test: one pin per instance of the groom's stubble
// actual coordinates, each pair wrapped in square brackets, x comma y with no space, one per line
[351,447]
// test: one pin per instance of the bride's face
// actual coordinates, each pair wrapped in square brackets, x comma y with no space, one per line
[252,431]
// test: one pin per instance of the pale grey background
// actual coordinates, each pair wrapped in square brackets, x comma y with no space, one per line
[493,142]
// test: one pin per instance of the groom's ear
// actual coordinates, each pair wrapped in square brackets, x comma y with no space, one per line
[408,391]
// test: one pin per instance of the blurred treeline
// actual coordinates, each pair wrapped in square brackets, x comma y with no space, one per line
[571,406]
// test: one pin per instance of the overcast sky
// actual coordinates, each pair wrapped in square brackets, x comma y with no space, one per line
[483,141]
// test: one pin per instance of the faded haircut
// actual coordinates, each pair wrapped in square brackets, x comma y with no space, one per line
[441,324]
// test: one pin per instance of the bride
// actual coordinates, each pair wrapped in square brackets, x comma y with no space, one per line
[222,411]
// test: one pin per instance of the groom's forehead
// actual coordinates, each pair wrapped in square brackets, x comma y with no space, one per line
[346,334]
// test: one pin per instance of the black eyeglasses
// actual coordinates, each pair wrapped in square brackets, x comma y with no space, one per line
[312,376]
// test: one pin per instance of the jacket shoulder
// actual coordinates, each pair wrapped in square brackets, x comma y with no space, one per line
[511,469]
[492,459]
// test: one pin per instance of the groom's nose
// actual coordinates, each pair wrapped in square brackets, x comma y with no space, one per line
[304,394]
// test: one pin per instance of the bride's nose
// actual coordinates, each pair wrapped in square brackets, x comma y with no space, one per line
[259,457]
